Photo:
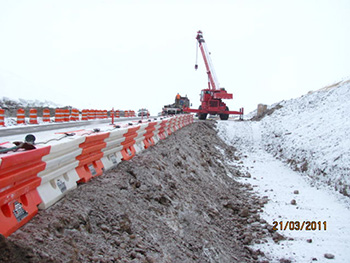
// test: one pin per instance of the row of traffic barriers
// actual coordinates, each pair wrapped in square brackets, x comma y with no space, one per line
[65,115]
[40,177]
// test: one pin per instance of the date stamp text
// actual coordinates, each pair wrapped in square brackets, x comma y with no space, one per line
[300,225]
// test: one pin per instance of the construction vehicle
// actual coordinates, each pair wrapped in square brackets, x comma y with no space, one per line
[177,107]
[211,98]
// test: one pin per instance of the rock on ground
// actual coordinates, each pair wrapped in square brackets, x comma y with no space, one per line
[174,202]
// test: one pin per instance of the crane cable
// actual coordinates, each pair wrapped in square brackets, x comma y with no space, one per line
[196,65]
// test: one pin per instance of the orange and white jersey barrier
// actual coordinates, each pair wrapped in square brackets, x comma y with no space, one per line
[139,139]
[112,152]
[60,175]
[149,135]
[163,129]
[18,182]
[129,150]
[90,164]
[42,176]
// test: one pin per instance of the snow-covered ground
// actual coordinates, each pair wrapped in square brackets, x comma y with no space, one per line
[297,157]
[312,134]
[6,102]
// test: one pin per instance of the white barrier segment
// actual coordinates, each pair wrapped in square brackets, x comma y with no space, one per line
[156,132]
[177,122]
[112,152]
[182,121]
[167,127]
[172,125]
[139,144]
[59,175]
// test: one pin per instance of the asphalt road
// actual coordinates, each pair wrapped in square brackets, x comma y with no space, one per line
[54,126]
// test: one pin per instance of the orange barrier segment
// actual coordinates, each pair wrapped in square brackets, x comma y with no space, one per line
[148,141]
[128,150]
[18,182]
[162,133]
[90,164]
[171,125]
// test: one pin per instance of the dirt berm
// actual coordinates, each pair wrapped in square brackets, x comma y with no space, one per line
[171,203]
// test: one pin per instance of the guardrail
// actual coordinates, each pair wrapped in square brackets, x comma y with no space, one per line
[40,177]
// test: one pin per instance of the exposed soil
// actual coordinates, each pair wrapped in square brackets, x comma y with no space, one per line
[267,112]
[174,202]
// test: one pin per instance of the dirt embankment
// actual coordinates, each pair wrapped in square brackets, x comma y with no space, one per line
[172,203]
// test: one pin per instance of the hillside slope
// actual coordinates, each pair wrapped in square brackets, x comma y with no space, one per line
[312,134]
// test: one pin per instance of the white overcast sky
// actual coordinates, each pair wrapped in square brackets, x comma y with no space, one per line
[134,54]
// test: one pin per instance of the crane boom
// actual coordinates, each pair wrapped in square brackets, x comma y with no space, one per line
[213,80]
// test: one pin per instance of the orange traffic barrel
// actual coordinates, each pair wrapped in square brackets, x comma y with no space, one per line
[59,115]
[2,117]
[46,115]
[33,116]
[20,116]
[65,115]
[85,115]
[75,115]
[117,114]
[91,115]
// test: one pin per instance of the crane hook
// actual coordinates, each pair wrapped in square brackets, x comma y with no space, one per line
[196,65]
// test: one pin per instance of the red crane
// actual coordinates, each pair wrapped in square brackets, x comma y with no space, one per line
[211,98]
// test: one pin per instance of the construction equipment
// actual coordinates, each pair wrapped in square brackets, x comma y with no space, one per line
[211,98]
[177,107]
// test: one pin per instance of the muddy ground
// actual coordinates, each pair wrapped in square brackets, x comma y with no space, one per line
[174,202]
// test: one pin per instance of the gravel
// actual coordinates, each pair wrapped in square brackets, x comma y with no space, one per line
[175,202]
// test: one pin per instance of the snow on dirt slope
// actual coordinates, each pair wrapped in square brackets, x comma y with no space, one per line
[311,136]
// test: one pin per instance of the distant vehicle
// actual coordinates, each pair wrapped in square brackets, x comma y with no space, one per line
[177,107]
[143,113]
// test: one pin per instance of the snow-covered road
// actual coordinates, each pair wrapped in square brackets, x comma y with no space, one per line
[270,177]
